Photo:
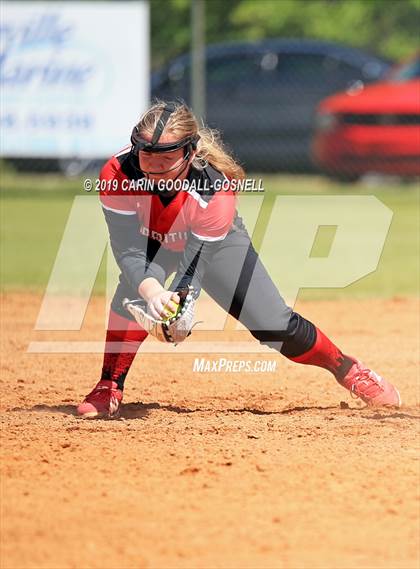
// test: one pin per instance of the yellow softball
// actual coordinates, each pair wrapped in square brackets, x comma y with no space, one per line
[168,313]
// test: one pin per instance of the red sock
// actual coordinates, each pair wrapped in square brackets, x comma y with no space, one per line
[123,339]
[325,354]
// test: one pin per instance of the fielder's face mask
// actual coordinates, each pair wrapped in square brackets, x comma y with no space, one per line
[141,145]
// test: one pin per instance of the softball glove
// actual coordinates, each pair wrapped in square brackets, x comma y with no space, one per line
[172,330]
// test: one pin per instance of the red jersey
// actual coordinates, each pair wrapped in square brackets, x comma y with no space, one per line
[201,209]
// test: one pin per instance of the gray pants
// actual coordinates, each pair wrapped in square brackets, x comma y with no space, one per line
[238,281]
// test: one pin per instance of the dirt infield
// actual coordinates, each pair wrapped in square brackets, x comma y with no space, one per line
[256,470]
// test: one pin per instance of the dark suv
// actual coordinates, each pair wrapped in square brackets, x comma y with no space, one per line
[263,96]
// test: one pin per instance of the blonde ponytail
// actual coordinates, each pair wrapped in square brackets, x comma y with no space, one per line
[210,149]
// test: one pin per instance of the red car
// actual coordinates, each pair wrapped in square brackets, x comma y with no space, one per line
[372,129]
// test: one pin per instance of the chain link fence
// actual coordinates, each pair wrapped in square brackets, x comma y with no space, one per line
[271,101]
[263,96]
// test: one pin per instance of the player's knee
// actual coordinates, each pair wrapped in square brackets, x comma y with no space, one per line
[294,338]
[276,330]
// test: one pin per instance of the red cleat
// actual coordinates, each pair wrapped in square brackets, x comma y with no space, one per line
[370,387]
[103,401]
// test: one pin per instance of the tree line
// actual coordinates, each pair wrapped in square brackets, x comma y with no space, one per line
[389,28]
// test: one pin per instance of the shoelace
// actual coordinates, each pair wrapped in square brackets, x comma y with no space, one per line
[100,388]
[365,376]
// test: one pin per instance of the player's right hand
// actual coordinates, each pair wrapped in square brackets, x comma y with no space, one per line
[159,302]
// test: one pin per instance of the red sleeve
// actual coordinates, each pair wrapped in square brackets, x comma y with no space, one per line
[114,189]
[212,220]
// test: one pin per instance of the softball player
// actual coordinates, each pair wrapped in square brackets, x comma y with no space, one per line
[198,235]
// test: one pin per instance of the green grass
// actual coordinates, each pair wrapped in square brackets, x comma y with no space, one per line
[397,273]
[34,210]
